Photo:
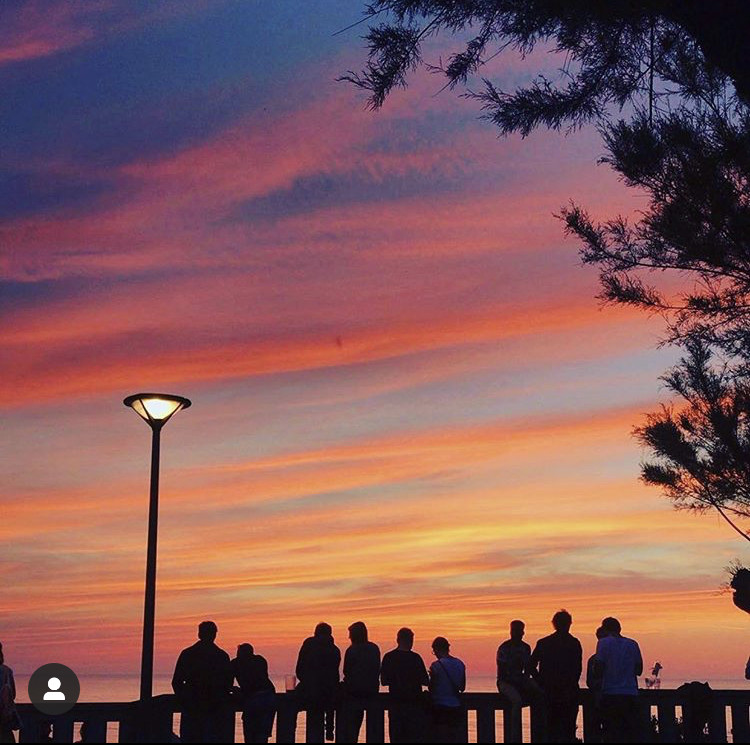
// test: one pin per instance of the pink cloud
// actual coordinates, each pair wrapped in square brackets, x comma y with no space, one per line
[180,209]
[42,28]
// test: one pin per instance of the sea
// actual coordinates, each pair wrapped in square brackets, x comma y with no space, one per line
[115,688]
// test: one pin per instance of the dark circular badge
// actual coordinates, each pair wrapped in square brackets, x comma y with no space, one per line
[54,688]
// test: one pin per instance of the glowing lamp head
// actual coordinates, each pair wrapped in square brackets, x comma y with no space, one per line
[156,408]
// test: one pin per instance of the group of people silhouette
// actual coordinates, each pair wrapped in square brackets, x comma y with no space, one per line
[548,676]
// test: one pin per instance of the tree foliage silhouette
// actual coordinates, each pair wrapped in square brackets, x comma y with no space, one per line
[667,84]
[613,49]
[701,450]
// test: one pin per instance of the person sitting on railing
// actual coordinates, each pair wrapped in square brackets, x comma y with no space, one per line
[361,679]
[404,672]
[514,681]
[556,663]
[202,681]
[250,670]
[447,683]
[621,663]
[318,674]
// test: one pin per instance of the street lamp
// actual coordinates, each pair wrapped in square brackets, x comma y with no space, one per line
[156,409]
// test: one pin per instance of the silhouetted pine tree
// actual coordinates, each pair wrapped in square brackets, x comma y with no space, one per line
[701,448]
[680,69]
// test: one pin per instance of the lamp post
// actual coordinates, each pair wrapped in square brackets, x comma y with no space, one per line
[156,409]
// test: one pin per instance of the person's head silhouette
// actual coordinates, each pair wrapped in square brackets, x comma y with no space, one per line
[207,631]
[517,630]
[562,621]
[405,638]
[441,647]
[245,650]
[323,629]
[611,626]
[358,632]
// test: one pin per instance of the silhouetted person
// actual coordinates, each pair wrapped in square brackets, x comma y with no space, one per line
[621,664]
[594,684]
[514,681]
[556,664]
[361,678]
[594,668]
[318,675]
[9,720]
[250,670]
[696,711]
[202,681]
[404,672]
[447,683]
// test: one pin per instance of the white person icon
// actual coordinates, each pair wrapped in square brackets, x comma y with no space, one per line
[54,693]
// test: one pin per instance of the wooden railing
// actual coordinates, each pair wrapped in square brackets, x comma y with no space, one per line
[661,718]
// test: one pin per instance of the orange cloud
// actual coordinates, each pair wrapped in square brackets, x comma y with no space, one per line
[111,359]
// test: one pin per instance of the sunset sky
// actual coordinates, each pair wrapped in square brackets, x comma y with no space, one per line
[408,406]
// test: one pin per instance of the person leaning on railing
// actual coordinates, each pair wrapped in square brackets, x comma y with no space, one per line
[447,683]
[318,673]
[404,673]
[621,664]
[361,679]
[258,694]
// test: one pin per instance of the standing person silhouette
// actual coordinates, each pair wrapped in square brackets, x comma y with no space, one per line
[202,681]
[594,684]
[9,719]
[404,672]
[556,663]
[621,664]
[447,683]
[318,674]
[250,670]
[361,678]
[514,681]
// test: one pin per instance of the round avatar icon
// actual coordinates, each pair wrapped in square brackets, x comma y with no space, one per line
[54,688]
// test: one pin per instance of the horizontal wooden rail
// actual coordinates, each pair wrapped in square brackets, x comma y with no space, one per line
[663,716]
